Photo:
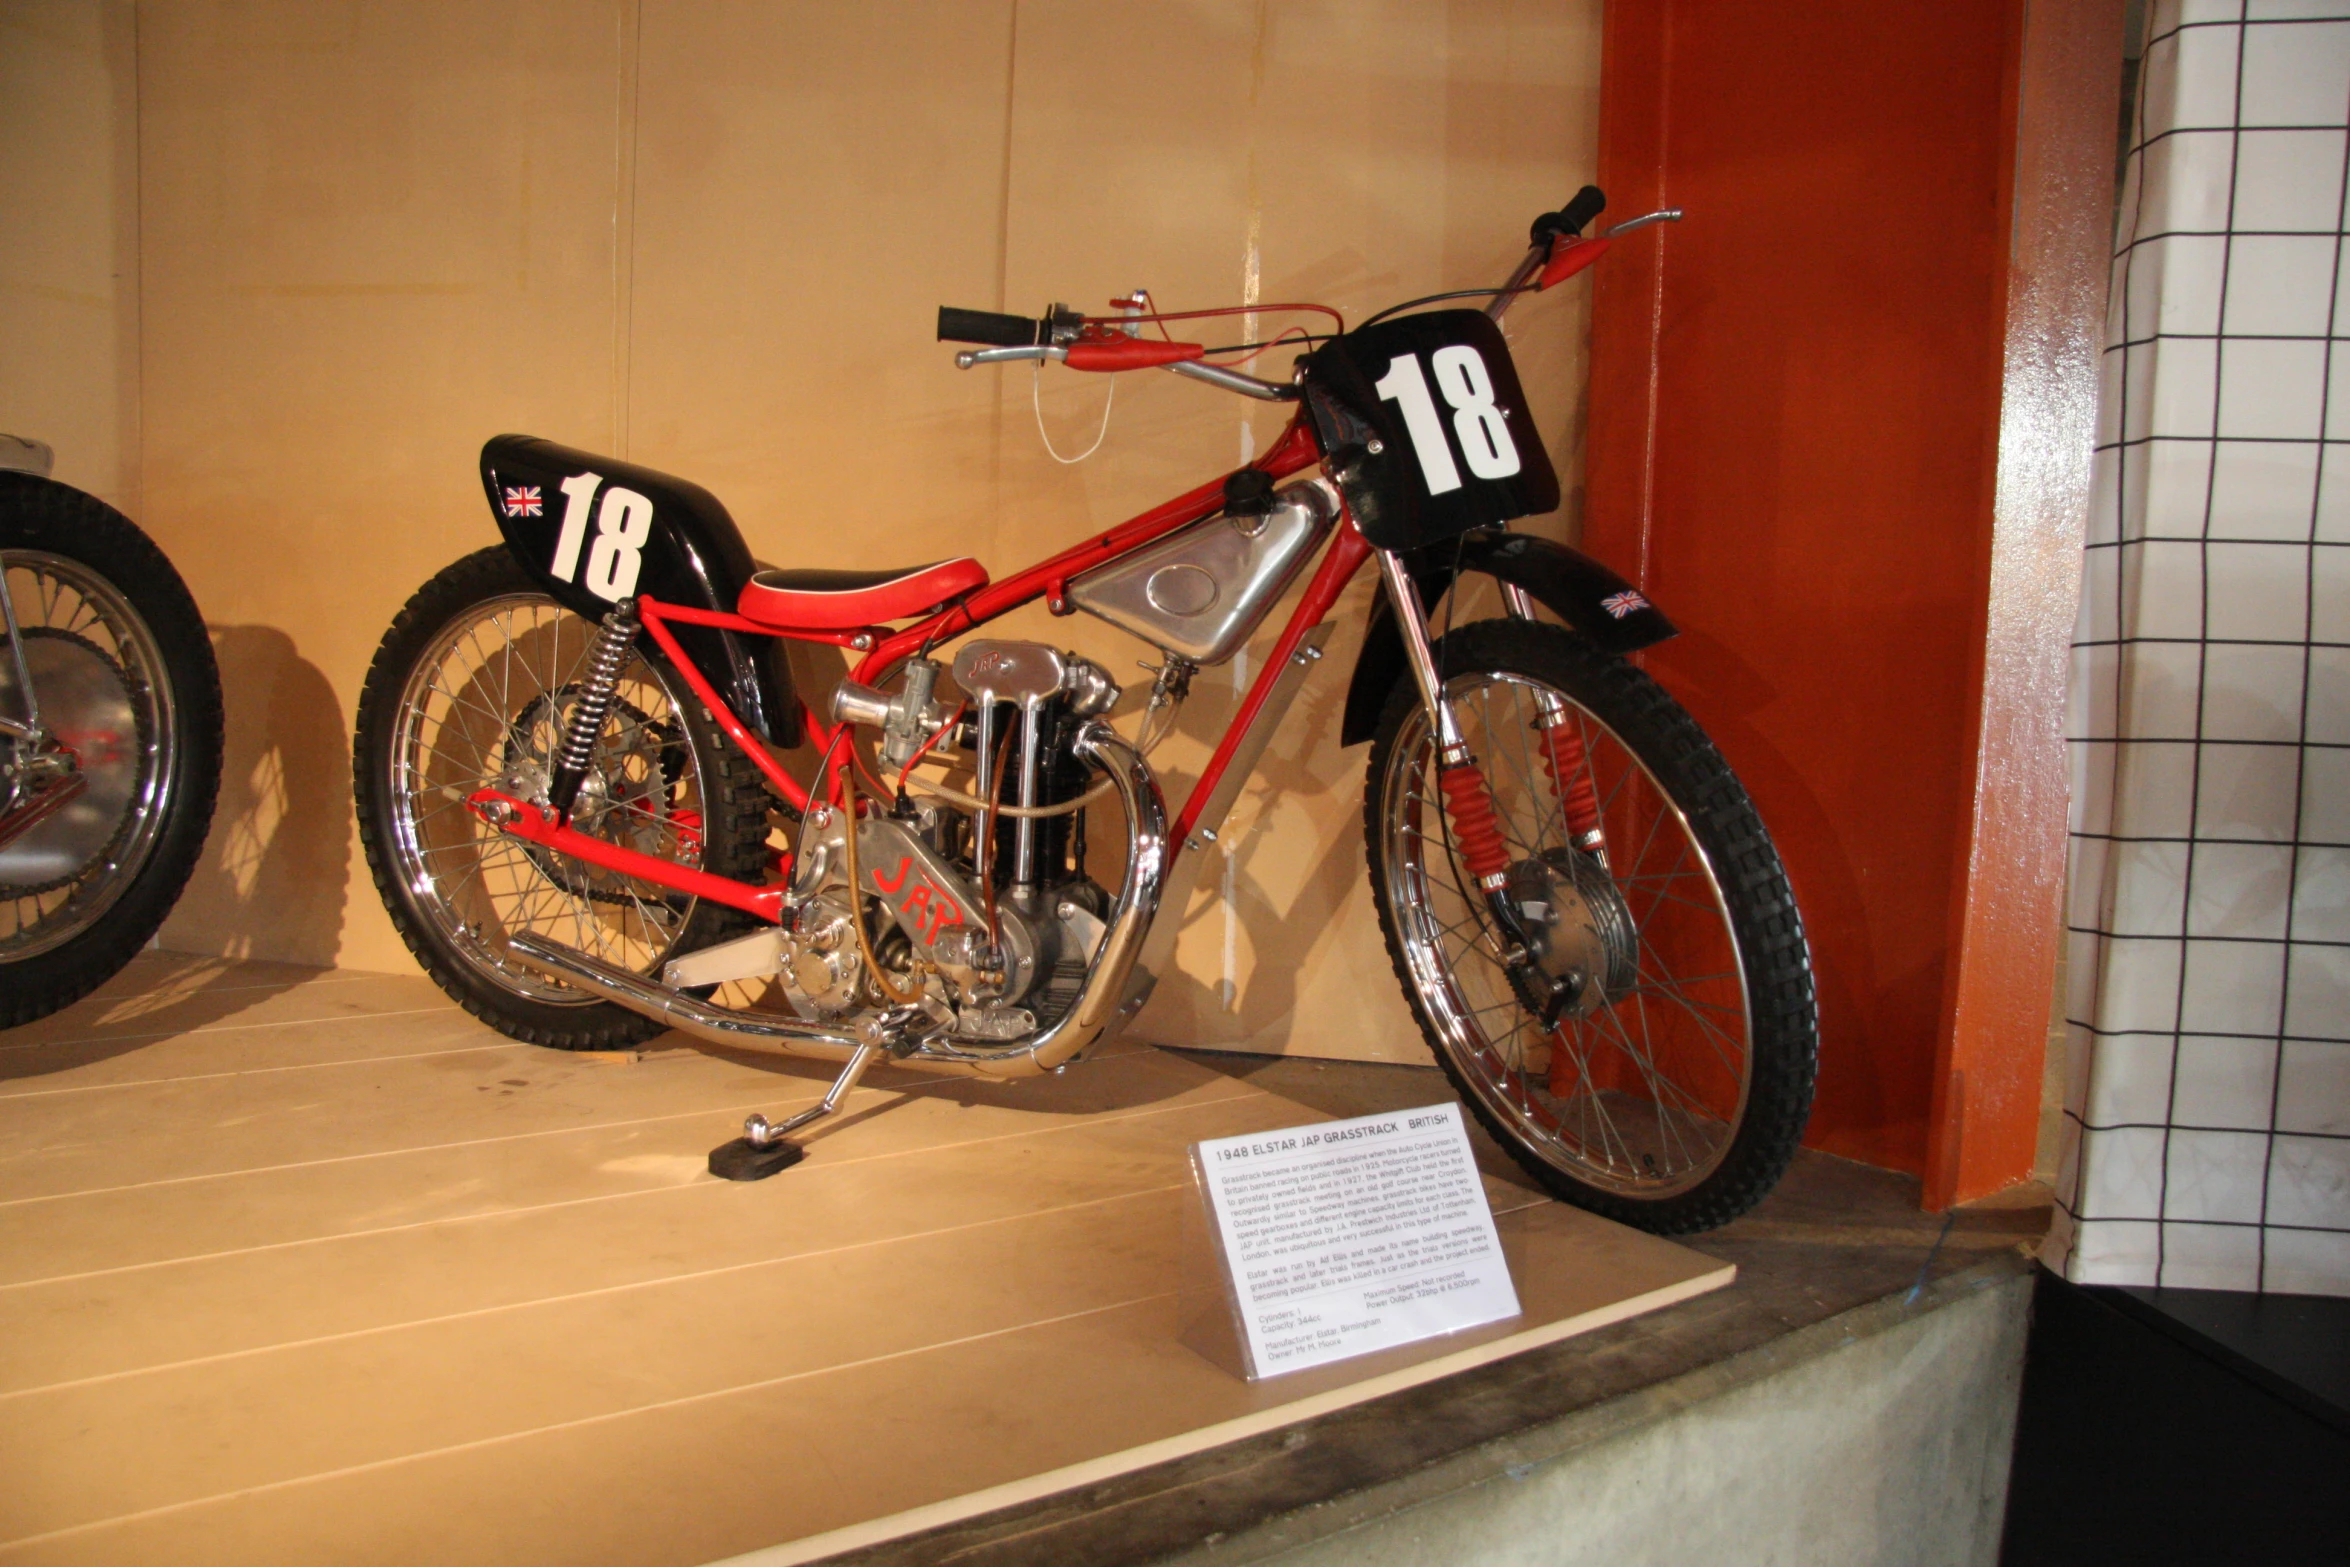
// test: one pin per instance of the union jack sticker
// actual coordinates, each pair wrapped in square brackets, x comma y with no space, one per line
[1616,604]
[522,500]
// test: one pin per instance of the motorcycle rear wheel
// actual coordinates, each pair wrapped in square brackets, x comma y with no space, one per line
[124,671]
[1675,1098]
[474,680]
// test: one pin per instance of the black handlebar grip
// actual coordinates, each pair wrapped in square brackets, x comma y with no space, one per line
[987,326]
[1588,203]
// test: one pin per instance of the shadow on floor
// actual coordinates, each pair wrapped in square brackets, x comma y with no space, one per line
[1074,1091]
[159,995]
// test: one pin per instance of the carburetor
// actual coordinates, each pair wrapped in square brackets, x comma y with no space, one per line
[905,720]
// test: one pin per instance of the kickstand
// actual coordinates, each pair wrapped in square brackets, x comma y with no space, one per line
[762,1150]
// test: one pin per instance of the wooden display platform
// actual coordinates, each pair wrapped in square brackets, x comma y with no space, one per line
[311,1266]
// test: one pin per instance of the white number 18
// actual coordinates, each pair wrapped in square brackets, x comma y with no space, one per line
[1483,428]
[623,523]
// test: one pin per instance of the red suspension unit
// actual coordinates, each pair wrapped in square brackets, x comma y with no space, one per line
[1570,780]
[1474,826]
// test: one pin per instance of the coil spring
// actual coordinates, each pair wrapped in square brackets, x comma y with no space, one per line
[1474,825]
[607,656]
[1570,780]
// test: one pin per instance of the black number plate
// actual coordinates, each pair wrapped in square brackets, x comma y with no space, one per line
[1441,438]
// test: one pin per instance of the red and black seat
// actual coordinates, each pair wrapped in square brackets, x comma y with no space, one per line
[843,600]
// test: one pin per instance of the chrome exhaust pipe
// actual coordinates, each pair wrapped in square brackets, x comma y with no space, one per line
[769,1033]
[1098,1011]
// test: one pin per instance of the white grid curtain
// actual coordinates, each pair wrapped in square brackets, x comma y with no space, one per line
[2208,1005]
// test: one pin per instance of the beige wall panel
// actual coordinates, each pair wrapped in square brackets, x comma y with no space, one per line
[373,235]
[69,238]
[811,182]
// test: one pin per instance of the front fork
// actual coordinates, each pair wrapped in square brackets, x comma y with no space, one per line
[1562,752]
[1468,802]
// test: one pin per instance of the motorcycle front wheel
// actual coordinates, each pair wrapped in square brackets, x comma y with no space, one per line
[472,688]
[1671,1094]
[122,675]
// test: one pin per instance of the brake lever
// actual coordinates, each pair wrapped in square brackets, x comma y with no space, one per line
[996,356]
[1214,375]
[1539,256]
[1668,215]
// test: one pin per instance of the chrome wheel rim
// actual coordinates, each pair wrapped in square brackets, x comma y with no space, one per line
[104,690]
[1642,1098]
[488,697]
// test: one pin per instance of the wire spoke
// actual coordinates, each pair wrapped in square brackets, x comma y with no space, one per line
[1625,1100]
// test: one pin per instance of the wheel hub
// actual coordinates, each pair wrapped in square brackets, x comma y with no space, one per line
[86,704]
[624,799]
[1578,931]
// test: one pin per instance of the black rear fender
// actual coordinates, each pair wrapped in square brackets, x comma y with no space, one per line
[595,530]
[1596,603]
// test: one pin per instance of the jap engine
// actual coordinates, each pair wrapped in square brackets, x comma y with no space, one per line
[976,907]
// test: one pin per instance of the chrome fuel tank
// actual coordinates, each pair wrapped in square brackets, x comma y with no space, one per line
[1200,591]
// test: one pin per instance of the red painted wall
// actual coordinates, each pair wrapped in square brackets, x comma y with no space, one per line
[1795,406]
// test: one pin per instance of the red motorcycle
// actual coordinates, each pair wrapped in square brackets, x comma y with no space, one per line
[568,780]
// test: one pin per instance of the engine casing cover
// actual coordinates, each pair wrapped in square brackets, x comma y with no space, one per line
[940,913]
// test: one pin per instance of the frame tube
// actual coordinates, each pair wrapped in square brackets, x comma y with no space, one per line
[1295,451]
[1099,1009]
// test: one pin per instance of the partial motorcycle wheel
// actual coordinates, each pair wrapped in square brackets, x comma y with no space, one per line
[472,687]
[1672,1093]
[123,673]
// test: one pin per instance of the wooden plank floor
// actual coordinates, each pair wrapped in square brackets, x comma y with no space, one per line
[302,1265]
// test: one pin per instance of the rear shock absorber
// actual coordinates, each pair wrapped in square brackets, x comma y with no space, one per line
[606,657]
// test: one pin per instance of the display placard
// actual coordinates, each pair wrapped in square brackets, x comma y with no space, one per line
[1346,1237]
